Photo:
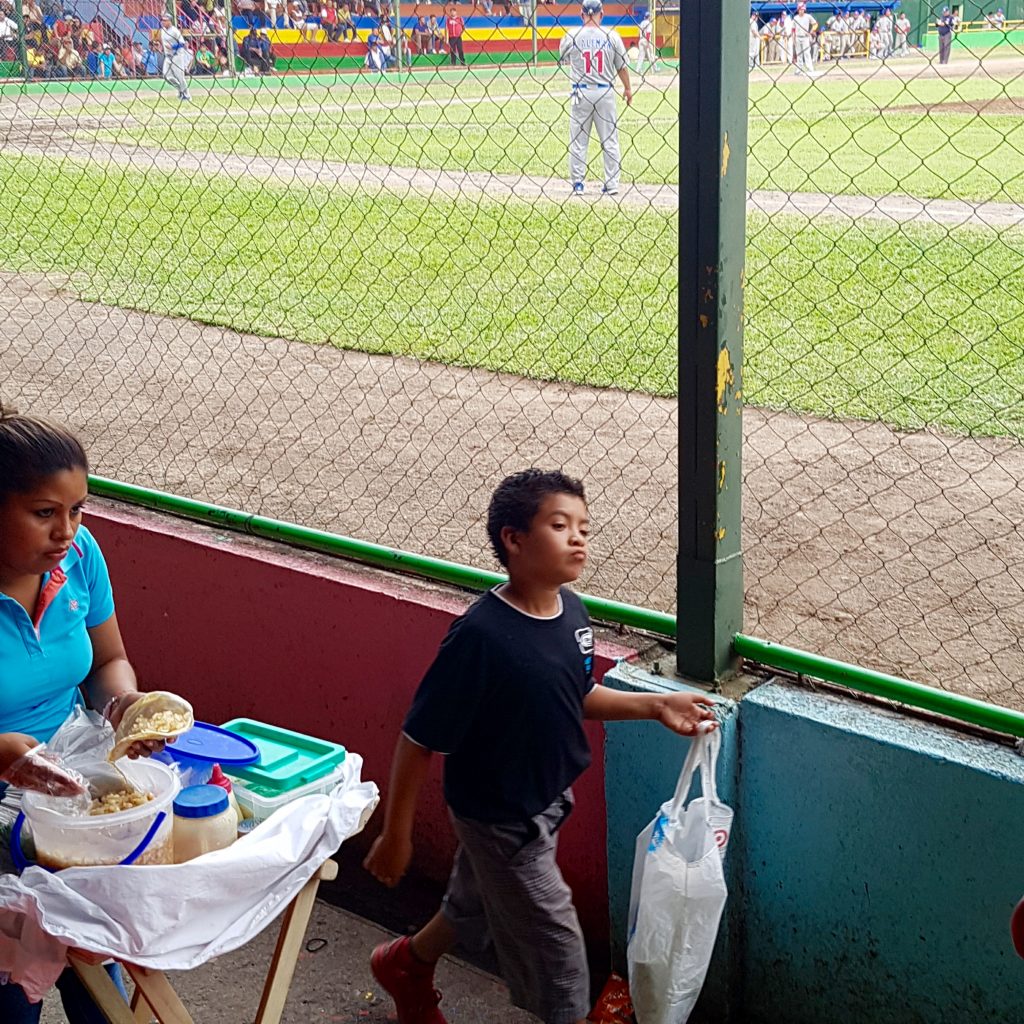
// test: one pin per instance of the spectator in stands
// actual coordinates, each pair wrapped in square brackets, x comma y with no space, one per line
[421,35]
[247,9]
[487,5]
[374,54]
[249,51]
[34,22]
[956,20]
[266,52]
[270,10]
[997,20]
[302,20]
[69,60]
[455,26]
[386,39]
[346,23]
[219,26]
[8,36]
[436,35]
[944,28]
[35,56]
[135,64]
[206,60]
[119,69]
[329,21]
[106,61]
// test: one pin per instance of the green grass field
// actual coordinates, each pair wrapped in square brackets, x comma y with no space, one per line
[915,324]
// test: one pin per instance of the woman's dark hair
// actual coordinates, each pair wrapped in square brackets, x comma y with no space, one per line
[518,497]
[32,449]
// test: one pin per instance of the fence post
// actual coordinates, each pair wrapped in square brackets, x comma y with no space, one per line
[19,17]
[532,8]
[712,223]
[229,39]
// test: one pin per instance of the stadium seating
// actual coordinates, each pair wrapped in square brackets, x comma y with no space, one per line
[495,38]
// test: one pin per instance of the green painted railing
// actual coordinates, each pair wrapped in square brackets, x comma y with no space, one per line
[362,551]
[928,698]
[763,652]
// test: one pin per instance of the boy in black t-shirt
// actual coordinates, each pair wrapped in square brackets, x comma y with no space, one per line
[505,701]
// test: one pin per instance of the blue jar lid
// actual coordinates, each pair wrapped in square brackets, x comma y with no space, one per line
[211,743]
[200,802]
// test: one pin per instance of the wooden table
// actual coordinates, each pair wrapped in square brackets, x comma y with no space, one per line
[154,998]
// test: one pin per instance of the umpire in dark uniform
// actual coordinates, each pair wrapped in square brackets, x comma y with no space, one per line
[944,26]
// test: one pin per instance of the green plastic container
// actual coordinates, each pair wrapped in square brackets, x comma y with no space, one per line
[287,759]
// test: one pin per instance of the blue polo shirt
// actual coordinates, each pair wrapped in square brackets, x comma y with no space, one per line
[43,662]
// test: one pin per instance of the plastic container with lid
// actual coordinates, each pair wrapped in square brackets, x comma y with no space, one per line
[259,802]
[145,831]
[203,821]
[204,745]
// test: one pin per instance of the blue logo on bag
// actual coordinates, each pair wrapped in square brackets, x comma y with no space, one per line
[658,835]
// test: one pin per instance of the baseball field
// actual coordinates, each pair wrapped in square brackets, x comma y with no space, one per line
[415,238]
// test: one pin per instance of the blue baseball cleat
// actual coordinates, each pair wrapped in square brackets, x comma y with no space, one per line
[577,188]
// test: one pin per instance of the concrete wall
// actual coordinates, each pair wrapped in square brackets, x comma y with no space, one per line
[243,627]
[874,862]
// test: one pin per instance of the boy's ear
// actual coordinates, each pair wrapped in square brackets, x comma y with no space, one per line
[510,538]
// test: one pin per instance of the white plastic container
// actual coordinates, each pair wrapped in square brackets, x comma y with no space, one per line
[63,841]
[259,804]
[203,821]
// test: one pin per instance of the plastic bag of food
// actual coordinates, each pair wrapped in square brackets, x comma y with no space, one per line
[157,715]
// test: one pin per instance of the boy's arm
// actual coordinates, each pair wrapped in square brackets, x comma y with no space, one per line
[389,857]
[681,712]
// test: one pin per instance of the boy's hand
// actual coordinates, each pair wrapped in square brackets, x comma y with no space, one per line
[388,859]
[686,713]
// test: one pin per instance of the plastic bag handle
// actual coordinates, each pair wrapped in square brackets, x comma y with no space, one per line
[702,756]
[21,861]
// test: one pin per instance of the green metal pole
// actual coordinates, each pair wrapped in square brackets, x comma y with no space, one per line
[712,226]
[532,8]
[363,551]
[19,17]
[229,39]
[952,705]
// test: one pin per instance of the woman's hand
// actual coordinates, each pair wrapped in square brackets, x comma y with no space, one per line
[114,712]
[23,767]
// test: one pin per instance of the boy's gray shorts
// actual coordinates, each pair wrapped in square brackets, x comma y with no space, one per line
[505,887]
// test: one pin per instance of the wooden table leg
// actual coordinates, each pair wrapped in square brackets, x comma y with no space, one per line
[103,991]
[289,944]
[162,1000]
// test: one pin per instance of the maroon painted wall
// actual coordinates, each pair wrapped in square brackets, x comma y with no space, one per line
[242,627]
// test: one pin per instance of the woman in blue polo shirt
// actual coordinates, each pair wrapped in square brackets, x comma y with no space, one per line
[59,639]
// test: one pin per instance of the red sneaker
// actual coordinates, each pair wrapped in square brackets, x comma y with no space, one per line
[408,981]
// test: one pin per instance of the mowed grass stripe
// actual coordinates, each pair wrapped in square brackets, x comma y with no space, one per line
[910,324]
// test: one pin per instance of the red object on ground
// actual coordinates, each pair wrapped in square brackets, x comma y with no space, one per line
[614,1005]
[1017,928]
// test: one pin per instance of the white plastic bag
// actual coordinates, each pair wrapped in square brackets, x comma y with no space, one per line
[678,893]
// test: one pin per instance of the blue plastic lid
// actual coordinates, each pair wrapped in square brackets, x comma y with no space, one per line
[211,743]
[200,802]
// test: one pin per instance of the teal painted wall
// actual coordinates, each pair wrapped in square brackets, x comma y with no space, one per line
[642,764]
[874,861]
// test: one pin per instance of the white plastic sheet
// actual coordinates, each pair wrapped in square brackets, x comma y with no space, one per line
[678,893]
[175,917]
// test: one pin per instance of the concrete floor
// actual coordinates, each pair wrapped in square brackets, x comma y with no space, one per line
[332,983]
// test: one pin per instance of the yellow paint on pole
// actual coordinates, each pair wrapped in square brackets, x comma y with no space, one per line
[721,476]
[725,155]
[726,377]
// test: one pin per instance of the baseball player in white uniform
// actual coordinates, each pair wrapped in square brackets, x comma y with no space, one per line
[596,57]
[177,56]
[804,31]
[645,45]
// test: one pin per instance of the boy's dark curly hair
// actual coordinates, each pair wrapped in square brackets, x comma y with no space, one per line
[518,497]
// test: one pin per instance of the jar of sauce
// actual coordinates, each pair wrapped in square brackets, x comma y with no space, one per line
[203,821]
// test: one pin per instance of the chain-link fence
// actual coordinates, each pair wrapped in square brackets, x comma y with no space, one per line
[347,283]
[885,340]
[352,296]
